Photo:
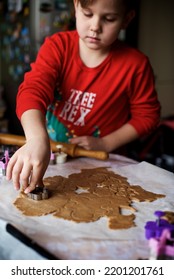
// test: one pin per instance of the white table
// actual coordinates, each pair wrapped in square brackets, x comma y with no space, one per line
[69,240]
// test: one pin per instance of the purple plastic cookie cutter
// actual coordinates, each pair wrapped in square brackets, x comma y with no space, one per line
[154,229]
[163,247]
[4,161]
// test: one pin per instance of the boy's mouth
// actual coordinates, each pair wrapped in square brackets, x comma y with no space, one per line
[93,39]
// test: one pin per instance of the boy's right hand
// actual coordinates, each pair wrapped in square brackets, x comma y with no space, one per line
[27,166]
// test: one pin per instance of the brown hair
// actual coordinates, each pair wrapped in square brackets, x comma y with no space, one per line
[128,4]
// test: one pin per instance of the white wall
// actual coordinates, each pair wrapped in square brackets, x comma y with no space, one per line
[156,39]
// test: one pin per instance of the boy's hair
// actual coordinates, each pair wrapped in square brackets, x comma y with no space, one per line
[128,4]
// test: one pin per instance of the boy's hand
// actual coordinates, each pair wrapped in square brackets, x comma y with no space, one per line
[89,143]
[27,166]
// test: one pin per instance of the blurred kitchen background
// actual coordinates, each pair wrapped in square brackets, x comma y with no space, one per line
[24,24]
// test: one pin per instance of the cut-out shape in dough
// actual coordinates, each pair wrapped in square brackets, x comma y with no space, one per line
[81,190]
[103,194]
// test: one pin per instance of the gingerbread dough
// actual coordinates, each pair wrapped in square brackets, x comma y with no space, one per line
[88,196]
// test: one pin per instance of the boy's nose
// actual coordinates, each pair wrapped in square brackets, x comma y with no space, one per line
[95,25]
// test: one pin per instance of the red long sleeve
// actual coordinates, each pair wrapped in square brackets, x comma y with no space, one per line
[90,101]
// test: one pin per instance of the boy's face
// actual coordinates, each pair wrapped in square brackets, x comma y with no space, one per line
[99,24]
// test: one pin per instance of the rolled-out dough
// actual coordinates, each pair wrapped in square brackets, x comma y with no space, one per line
[87,196]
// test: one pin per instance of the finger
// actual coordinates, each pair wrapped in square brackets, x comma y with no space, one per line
[26,175]
[78,141]
[30,188]
[10,167]
[82,145]
[75,140]
[40,183]
[35,179]
[16,175]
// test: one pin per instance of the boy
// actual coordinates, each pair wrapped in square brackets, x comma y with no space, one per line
[105,96]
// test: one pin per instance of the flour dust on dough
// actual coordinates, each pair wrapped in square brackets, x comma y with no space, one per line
[87,196]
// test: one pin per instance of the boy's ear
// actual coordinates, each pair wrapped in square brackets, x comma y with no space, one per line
[75,5]
[128,18]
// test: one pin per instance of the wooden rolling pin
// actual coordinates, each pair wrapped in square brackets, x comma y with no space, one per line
[70,149]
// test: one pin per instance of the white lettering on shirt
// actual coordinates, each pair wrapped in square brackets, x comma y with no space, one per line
[81,120]
[78,106]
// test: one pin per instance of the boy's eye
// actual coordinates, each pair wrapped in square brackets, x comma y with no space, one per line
[87,13]
[107,18]
[110,19]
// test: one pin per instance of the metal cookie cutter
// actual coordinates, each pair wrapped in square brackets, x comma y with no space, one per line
[40,193]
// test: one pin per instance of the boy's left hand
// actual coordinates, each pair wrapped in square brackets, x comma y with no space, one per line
[89,143]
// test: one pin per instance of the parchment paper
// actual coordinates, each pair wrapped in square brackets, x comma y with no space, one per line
[69,240]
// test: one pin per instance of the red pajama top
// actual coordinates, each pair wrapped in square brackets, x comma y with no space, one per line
[95,101]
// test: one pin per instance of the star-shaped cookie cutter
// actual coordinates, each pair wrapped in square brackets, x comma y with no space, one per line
[39,193]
